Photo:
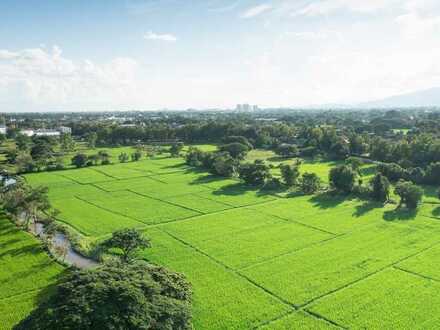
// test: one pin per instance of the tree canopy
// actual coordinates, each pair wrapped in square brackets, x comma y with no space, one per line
[115,296]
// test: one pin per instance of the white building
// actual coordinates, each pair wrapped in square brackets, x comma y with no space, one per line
[27,132]
[65,130]
[3,129]
[47,132]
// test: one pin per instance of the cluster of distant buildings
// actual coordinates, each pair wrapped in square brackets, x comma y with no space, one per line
[40,132]
[246,107]
[46,132]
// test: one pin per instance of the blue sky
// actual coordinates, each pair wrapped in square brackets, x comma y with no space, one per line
[150,54]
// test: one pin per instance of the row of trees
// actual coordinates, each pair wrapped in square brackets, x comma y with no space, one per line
[418,175]
[345,179]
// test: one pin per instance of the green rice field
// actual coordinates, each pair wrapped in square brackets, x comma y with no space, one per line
[255,259]
[25,273]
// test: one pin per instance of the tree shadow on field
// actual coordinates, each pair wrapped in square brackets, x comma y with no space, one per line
[366,207]
[431,192]
[279,159]
[234,189]
[366,171]
[206,179]
[23,250]
[328,200]
[180,165]
[400,214]
[436,212]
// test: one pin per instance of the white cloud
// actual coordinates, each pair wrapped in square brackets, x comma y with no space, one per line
[325,7]
[39,78]
[413,25]
[256,11]
[161,37]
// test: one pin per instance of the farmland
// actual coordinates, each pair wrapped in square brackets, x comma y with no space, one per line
[255,259]
[25,272]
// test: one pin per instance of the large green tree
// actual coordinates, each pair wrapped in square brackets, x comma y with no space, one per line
[290,174]
[256,173]
[128,241]
[342,178]
[135,296]
[410,194]
[380,188]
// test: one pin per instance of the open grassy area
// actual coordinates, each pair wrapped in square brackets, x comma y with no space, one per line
[257,260]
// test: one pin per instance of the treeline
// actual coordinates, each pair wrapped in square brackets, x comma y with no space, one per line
[418,175]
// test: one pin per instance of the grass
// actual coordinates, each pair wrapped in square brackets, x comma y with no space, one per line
[25,272]
[256,259]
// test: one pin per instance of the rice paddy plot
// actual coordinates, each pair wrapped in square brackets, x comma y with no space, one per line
[391,299]
[24,265]
[141,208]
[312,272]
[336,215]
[168,165]
[166,191]
[430,210]
[188,177]
[212,226]
[198,203]
[48,179]
[247,247]
[299,321]
[425,263]
[89,219]
[143,183]
[237,195]
[119,171]
[85,175]
[16,308]
[220,183]
[221,298]
[70,190]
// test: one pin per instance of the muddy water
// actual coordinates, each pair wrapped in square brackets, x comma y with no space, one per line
[61,241]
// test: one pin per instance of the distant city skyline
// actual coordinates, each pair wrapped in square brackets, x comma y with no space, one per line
[155,54]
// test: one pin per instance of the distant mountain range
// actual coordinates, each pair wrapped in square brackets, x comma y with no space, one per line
[422,98]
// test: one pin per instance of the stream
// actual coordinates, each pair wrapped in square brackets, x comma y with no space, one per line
[61,241]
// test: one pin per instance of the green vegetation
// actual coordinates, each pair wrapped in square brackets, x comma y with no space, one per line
[26,272]
[256,257]
[116,296]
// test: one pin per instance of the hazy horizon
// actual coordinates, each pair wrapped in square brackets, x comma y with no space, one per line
[157,54]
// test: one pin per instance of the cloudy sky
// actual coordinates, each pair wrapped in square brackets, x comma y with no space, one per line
[150,54]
